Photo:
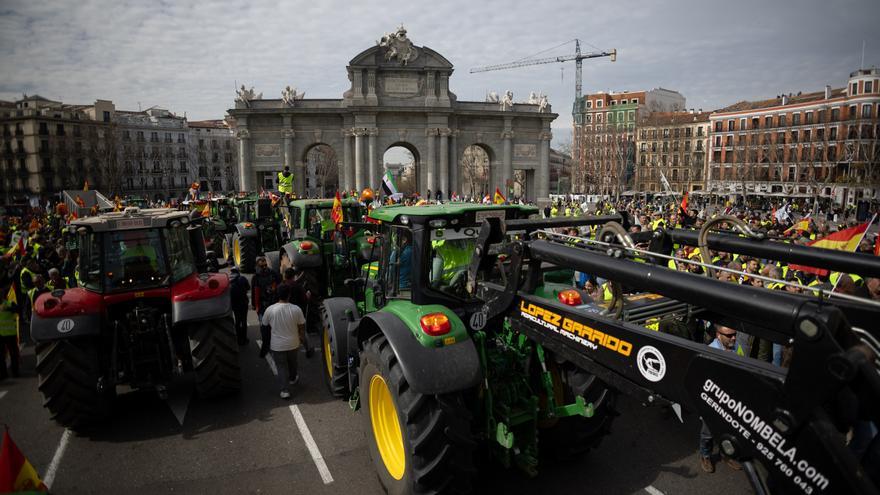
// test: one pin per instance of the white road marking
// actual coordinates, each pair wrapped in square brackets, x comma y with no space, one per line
[3,393]
[269,358]
[312,446]
[56,459]
[178,402]
[653,491]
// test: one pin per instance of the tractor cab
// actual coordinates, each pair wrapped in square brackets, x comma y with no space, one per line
[424,252]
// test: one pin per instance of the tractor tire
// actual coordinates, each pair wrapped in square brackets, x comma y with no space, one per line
[226,250]
[418,443]
[335,373]
[69,374]
[244,252]
[575,435]
[214,349]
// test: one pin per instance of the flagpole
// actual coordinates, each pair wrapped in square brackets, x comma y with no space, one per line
[857,247]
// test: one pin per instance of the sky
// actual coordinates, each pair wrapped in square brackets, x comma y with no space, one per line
[188,56]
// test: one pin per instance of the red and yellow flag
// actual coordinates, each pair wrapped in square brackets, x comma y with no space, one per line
[206,211]
[802,226]
[336,212]
[86,185]
[16,472]
[684,202]
[499,198]
[843,240]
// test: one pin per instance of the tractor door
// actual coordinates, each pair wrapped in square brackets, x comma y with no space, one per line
[394,277]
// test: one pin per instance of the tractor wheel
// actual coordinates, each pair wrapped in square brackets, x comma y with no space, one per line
[244,253]
[226,251]
[70,380]
[214,351]
[335,373]
[418,443]
[575,435]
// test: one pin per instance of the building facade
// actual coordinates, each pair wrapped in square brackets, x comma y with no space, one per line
[560,172]
[604,136]
[673,145]
[47,146]
[214,152]
[820,145]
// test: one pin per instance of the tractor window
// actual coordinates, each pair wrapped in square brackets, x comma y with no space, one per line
[450,254]
[398,272]
[182,264]
[89,268]
[134,259]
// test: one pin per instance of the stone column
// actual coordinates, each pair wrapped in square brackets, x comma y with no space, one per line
[542,177]
[375,173]
[431,98]
[507,162]
[444,162]
[346,178]
[454,165]
[289,161]
[245,170]
[431,163]
[372,99]
[359,159]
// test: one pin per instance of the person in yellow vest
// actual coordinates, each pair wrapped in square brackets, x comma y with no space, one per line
[451,260]
[8,331]
[56,281]
[285,181]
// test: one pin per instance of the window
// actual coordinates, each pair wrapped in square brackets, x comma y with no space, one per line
[179,253]
[794,136]
[589,104]
[59,130]
[717,141]
[730,124]
[832,134]
[598,103]
[866,111]
[742,124]
[768,121]
[782,121]
[666,133]
[807,135]
[854,89]
[809,117]
[869,86]
[852,111]
[796,119]
[623,102]
[612,103]
[718,126]
[835,114]
[630,116]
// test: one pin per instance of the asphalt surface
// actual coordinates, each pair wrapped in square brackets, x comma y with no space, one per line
[251,443]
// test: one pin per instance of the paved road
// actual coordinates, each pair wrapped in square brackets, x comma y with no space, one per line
[251,443]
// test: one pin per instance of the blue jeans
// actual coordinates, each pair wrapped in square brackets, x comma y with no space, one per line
[706,442]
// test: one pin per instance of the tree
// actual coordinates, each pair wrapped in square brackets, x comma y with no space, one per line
[326,166]
[475,171]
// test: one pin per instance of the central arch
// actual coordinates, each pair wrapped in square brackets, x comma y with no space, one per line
[321,170]
[401,159]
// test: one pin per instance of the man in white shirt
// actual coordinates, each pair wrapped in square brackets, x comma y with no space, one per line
[287,327]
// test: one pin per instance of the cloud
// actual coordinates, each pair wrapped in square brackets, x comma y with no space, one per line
[187,56]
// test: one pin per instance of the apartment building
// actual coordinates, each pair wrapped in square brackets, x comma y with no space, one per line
[673,145]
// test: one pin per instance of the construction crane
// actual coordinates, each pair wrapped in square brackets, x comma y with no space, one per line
[578,58]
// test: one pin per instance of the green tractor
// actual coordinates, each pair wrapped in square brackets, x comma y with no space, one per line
[218,224]
[433,377]
[257,232]
[317,246]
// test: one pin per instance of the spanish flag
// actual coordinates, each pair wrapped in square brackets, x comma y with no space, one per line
[206,211]
[16,472]
[499,198]
[684,202]
[802,226]
[843,240]
[336,212]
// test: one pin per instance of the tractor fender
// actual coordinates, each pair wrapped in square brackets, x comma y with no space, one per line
[298,258]
[273,259]
[76,314]
[244,231]
[200,298]
[428,370]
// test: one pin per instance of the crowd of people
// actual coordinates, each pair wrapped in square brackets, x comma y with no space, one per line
[38,253]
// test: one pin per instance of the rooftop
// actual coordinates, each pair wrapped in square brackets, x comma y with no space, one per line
[673,118]
[777,102]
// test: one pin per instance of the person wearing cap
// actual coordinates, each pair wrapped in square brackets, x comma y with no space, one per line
[238,293]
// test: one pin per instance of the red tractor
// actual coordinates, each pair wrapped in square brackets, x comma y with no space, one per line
[145,311]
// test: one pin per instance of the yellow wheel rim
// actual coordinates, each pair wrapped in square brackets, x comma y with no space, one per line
[327,358]
[386,427]
[225,249]
[236,251]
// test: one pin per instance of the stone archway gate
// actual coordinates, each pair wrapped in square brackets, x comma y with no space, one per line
[399,94]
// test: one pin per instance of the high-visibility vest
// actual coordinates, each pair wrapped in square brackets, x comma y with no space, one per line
[21,278]
[285,184]
[454,257]
[8,321]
